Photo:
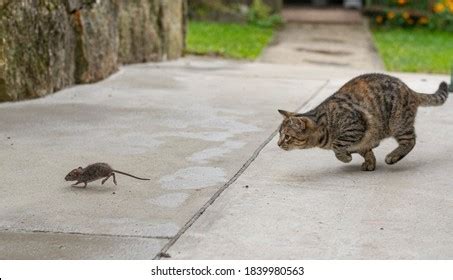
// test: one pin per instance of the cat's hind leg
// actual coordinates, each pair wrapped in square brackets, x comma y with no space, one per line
[370,160]
[406,142]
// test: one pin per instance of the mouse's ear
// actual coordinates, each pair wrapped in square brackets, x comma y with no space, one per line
[80,168]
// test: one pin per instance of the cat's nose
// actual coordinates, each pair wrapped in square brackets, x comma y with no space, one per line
[284,147]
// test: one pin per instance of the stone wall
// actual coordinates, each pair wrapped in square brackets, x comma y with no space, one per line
[46,45]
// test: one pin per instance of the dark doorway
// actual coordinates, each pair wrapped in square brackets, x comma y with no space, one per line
[310,2]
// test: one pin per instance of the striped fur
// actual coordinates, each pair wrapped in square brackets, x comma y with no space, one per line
[435,99]
[358,116]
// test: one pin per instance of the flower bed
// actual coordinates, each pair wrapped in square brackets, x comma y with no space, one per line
[437,14]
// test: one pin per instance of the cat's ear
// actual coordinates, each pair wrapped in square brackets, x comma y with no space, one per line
[301,123]
[284,113]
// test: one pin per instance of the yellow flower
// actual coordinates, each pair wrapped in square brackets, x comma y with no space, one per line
[390,15]
[379,19]
[450,7]
[439,8]
[423,20]
[402,2]
[406,15]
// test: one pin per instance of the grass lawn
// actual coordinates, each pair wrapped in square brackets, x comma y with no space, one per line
[227,39]
[415,50]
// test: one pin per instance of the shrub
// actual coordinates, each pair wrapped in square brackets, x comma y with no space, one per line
[259,14]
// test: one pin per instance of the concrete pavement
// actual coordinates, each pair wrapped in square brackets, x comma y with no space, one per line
[200,130]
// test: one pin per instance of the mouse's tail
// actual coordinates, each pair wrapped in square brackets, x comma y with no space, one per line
[127,174]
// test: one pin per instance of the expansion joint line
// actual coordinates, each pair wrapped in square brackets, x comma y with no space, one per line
[5,230]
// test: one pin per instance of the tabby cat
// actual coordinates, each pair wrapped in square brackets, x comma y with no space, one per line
[358,116]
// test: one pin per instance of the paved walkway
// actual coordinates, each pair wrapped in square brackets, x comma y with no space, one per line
[321,37]
[204,130]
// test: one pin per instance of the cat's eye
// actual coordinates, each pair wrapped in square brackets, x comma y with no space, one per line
[287,137]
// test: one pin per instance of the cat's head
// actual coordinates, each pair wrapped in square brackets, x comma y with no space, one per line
[296,132]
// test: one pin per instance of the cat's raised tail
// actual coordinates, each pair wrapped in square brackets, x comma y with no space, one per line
[436,99]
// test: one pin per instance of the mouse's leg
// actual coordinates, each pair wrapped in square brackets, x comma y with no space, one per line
[114,179]
[78,182]
[106,178]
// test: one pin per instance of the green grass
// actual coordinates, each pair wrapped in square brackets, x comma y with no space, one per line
[227,39]
[415,50]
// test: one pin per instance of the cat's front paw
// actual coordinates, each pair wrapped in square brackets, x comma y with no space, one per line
[368,166]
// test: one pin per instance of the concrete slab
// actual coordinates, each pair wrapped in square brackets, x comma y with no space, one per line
[187,125]
[52,246]
[308,205]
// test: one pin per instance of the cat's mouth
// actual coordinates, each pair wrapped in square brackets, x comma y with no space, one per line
[284,147]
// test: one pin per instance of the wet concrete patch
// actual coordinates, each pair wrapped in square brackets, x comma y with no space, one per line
[327,40]
[193,178]
[170,200]
[325,52]
[212,136]
[319,62]
[206,155]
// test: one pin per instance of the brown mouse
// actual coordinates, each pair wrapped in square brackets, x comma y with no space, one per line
[95,172]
